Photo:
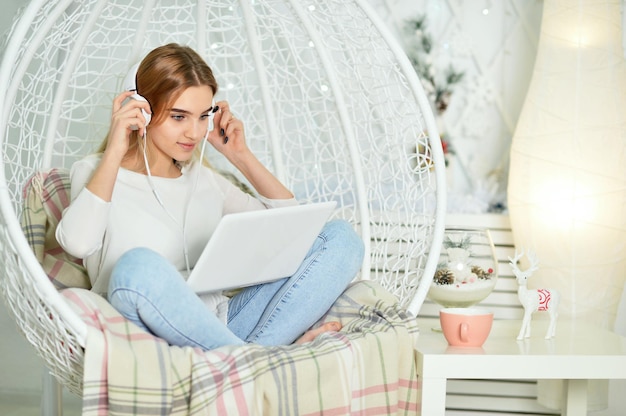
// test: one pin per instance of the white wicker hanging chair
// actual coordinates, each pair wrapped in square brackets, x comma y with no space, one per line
[330,103]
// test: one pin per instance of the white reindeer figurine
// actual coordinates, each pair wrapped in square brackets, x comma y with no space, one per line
[534,300]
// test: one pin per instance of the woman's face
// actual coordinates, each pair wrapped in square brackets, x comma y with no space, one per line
[183,128]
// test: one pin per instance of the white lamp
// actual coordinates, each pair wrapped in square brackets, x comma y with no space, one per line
[567,180]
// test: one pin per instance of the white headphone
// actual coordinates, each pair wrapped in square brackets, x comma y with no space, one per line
[130,84]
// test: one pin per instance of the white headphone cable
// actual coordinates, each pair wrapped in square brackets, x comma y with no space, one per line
[160,201]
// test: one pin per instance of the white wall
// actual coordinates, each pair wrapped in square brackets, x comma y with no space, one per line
[10,8]
[18,359]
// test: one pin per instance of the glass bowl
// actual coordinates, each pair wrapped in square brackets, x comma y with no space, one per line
[467,270]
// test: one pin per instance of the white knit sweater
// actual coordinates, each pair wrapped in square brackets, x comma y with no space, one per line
[100,232]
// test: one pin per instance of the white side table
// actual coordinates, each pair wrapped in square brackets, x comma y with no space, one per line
[578,353]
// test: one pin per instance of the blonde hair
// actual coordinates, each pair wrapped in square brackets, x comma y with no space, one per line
[163,75]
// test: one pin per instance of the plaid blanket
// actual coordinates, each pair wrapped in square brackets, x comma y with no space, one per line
[367,368]
[45,195]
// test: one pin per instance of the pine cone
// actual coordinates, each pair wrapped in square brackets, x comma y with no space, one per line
[443,277]
[481,273]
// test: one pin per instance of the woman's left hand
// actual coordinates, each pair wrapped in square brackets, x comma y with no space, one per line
[228,135]
[229,139]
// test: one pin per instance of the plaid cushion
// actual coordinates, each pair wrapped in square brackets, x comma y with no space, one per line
[46,195]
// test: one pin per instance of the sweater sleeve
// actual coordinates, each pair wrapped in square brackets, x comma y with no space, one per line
[236,200]
[83,224]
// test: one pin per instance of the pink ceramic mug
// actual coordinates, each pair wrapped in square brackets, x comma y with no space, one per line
[465,327]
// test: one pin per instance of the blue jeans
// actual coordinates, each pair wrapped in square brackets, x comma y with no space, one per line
[149,291]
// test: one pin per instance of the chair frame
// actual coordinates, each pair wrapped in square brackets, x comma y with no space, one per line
[42,315]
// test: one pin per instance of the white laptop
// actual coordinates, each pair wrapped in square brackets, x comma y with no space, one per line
[258,246]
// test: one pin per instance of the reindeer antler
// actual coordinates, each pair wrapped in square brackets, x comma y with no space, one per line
[534,261]
[516,258]
[534,264]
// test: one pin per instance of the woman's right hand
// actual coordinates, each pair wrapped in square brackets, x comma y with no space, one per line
[126,118]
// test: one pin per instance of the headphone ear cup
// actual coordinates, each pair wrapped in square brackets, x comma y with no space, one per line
[130,85]
[146,115]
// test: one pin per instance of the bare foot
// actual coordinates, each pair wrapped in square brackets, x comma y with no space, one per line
[310,335]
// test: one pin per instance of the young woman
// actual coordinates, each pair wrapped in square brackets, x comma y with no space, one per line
[144,206]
